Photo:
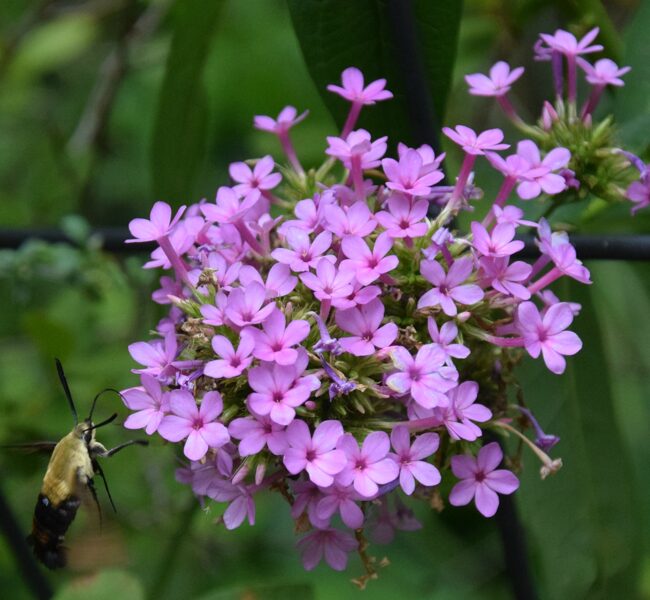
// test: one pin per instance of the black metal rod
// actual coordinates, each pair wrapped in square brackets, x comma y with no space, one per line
[27,565]
[515,554]
[589,247]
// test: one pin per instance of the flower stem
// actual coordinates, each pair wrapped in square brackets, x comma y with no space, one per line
[351,121]
[545,280]
[549,466]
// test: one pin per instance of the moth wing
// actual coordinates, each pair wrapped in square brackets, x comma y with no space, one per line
[44,447]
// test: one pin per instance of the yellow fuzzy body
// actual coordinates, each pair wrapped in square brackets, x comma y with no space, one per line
[69,469]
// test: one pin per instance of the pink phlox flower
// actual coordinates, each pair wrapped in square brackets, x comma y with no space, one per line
[158,357]
[448,288]
[256,432]
[307,495]
[511,214]
[241,505]
[287,118]
[638,192]
[549,299]
[499,242]
[514,166]
[566,43]
[347,196]
[497,83]
[260,177]
[245,305]
[364,325]
[330,543]
[230,206]
[303,253]
[357,146]
[383,521]
[182,238]
[310,215]
[425,376]
[363,294]
[159,224]
[408,176]
[225,238]
[318,455]
[232,362]
[439,240]
[215,314]
[557,247]
[355,220]
[196,423]
[201,475]
[150,403]
[353,88]
[368,265]
[481,480]
[341,499]
[604,72]
[445,338]
[369,465]
[542,175]
[278,390]
[546,334]
[279,281]
[430,162]
[168,287]
[504,277]
[458,417]
[330,284]
[472,143]
[404,218]
[224,274]
[276,341]
[409,458]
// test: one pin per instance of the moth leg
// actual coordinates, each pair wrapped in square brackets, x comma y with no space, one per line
[112,451]
[98,468]
[93,492]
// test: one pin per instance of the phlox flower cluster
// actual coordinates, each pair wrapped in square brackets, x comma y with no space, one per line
[349,352]
[596,166]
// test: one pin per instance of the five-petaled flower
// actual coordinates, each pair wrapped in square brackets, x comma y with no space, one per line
[481,480]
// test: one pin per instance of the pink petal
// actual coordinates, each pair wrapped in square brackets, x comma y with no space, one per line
[489,457]
[487,500]
[425,473]
[195,446]
[502,481]
[182,404]
[462,493]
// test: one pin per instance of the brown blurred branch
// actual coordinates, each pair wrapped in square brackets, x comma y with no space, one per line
[30,20]
[89,130]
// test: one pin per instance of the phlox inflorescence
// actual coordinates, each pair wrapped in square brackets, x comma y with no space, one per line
[340,354]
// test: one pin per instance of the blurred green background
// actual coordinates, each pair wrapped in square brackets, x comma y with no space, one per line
[108,105]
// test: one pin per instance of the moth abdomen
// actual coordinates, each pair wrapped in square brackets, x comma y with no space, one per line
[49,527]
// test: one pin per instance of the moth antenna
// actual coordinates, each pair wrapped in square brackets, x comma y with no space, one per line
[92,408]
[66,389]
[105,422]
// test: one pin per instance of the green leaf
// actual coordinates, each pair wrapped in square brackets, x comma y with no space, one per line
[180,129]
[107,585]
[264,592]
[632,103]
[335,35]
[584,521]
